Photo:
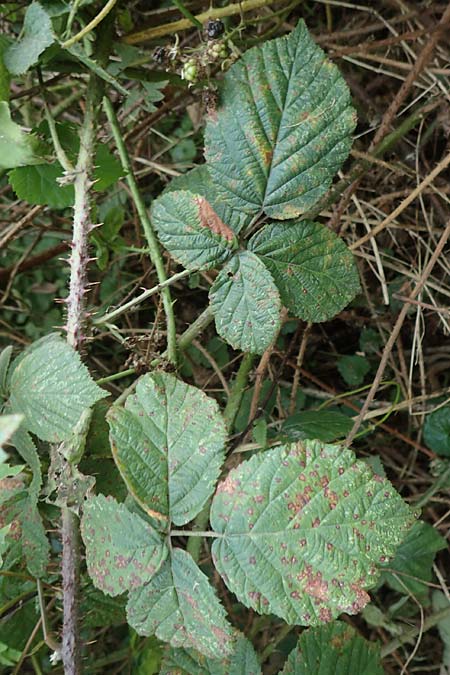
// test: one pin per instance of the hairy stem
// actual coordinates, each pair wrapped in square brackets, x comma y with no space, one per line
[76,300]
[114,313]
[90,26]
[71,650]
[155,253]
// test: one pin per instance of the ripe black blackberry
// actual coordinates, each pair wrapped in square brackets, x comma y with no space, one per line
[214,29]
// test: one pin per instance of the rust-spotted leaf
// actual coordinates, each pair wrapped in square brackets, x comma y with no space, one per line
[283,128]
[313,269]
[302,529]
[168,443]
[246,304]
[123,551]
[199,182]
[180,607]
[191,230]
[242,661]
[335,648]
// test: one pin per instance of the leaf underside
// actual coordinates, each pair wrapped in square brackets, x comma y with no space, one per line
[37,36]
[303,528]
[52,388]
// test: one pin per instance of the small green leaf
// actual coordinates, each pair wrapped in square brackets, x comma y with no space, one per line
[302,529]
[353,369]
[52,388]
[122,550]
[37,36]
[436,431]
[333,649]
[38,185]
[168,443]
[191,230]
[283,128]
[246,304]
[17,148]
[312,268]
[100,610]
[107,170]
[322,425]
[243,661]
[411,569]
[180,607]
[198,181]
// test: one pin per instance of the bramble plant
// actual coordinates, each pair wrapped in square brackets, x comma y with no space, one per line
[302,529]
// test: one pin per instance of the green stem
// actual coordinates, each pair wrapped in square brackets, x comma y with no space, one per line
[184,24]
[106,318]
[187,14]
[441,481]
[90,26]
[199,325]
[238,390]
[155,253]
[194,544]
[195,533]
[410,634]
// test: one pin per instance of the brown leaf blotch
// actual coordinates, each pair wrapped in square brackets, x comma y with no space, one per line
[209,218]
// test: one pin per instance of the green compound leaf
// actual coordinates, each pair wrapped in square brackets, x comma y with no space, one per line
[123,552]
[199,182]
[411,569]
[303,528]
[191,230]
[52,388]
[37,36]
[180,607]
[17,148]
[313,269]
[437,431]
[246,304]
[336,648]
[243,661]
[283,128]
[168,443]
[38,185]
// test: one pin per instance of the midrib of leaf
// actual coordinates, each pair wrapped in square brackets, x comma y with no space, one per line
[282,110]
